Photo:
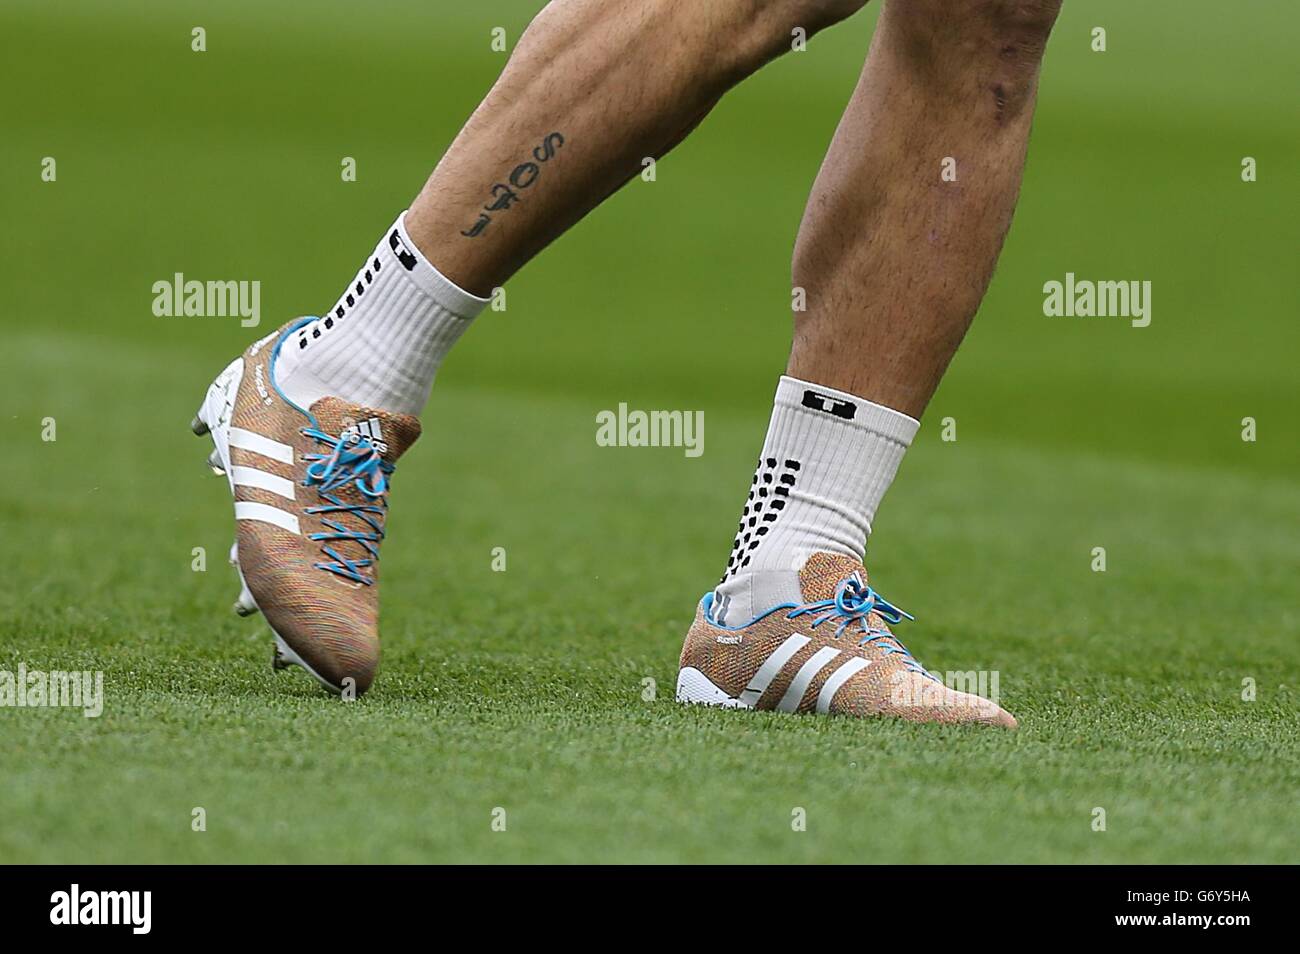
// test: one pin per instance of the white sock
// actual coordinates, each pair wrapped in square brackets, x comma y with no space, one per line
[382,342]
[827,461]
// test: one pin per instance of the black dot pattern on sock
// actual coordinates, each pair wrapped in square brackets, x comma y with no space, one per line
[768,495]
[349,299]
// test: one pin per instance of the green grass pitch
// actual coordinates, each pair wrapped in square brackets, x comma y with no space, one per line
[525,689]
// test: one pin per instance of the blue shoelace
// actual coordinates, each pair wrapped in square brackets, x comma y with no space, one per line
[357,462]
[854,601]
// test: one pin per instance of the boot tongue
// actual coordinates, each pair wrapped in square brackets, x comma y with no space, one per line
[821,577]
[390,433]
[824,572]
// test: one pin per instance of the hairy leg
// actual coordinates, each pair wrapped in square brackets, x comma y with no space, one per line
[895,260]
[592,89]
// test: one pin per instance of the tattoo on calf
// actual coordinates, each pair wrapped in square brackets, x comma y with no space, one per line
[522,177]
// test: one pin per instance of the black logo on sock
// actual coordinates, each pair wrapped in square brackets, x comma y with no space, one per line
[404,254]
[824,402]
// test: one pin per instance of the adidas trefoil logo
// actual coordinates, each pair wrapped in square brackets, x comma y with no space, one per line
[369,430]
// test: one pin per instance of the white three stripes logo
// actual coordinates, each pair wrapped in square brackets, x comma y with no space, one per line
[815,663]
[370,430]
[262,480]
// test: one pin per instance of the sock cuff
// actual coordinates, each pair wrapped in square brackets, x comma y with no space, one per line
[848,409]
[421,272]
